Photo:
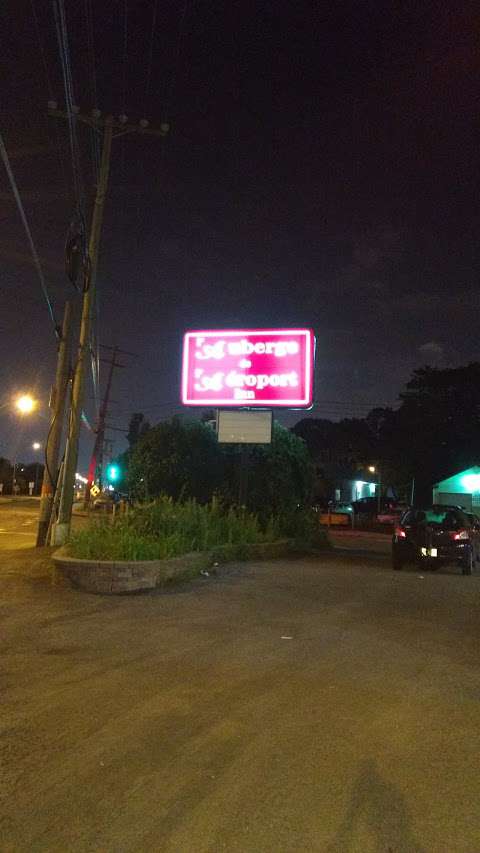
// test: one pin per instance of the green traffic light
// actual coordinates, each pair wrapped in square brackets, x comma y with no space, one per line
[113,472]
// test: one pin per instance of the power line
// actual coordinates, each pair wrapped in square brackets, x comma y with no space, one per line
[42,48]
[124,80]
[26,226]
[49,86]
[175,61]
[95,142]
[329,409]
[125,41]
[150,55]
[62,36]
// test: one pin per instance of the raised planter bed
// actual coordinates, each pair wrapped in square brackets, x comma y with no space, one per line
[127,576]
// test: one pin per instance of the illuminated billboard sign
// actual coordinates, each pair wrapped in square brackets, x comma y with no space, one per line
[258,367]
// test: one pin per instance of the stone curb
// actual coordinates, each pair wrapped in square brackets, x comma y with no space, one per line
[118,577]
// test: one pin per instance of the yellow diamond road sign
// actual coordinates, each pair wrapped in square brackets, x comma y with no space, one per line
[94,491]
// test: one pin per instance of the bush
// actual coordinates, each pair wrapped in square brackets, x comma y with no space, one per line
[165,528]
[168,529]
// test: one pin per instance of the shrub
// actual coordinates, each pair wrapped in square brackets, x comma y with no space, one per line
[165,528]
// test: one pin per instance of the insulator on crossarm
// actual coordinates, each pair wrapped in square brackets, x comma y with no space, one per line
[144,123]
[165,127]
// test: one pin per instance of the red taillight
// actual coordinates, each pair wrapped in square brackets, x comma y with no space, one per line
[460,534]
[400,533]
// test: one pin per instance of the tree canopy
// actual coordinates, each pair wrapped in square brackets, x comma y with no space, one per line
[183,459]
[177,458]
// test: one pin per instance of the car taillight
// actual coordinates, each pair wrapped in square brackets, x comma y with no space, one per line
[400,533]
[460,534]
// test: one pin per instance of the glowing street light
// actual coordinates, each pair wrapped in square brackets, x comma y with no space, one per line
[36,445]
[25,404]
[372,469]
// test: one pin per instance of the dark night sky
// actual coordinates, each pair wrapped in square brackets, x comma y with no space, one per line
[322,169]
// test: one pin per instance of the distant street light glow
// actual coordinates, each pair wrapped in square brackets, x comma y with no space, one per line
[36,445]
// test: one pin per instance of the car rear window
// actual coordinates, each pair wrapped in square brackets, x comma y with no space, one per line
[447,519]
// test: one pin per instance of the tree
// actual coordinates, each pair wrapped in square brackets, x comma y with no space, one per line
[436,430]
[280,476]
[184,460]
[6,473]
[137,427]
[178,458]
[347,443]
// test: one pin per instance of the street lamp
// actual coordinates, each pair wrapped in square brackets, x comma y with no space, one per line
[25,404]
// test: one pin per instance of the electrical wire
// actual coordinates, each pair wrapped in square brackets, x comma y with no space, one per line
[95,142]
[94,358]
[62,36]
[175,62]
[125,42]
[335,408]
[28,232]
[95,148]
[78,228]
[53,479]
[150,55]
[42,49]
[49,87]
[124,82]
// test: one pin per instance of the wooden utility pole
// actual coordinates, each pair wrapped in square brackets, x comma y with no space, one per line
[62,526]
[110,128]
[59,393]
[97,455]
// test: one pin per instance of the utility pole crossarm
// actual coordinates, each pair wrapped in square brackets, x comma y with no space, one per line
[119,127]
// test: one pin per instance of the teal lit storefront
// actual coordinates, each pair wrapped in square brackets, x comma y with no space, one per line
[462,489]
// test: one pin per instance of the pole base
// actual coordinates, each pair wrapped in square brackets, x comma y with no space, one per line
[60,533]
[42,533]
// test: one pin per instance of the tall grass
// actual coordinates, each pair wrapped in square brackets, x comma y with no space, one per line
[167,529]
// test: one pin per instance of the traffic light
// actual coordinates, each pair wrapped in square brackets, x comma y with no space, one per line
[113,473]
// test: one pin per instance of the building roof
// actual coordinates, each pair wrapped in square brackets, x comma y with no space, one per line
[464,482]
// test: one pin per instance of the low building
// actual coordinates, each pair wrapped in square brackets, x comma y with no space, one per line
[353,489]
[462,489]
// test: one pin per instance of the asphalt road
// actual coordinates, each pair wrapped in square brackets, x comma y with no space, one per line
[307,705]
[18,522]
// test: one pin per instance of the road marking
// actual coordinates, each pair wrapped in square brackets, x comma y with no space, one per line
[16,533]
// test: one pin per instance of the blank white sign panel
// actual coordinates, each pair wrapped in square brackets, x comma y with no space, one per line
[236,427]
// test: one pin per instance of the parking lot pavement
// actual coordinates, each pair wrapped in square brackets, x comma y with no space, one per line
[362,540]
[304,705]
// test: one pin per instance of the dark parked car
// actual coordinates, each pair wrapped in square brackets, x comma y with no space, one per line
[436,535]
[369,506]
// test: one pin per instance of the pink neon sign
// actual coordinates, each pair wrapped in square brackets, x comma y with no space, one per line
[255,367]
